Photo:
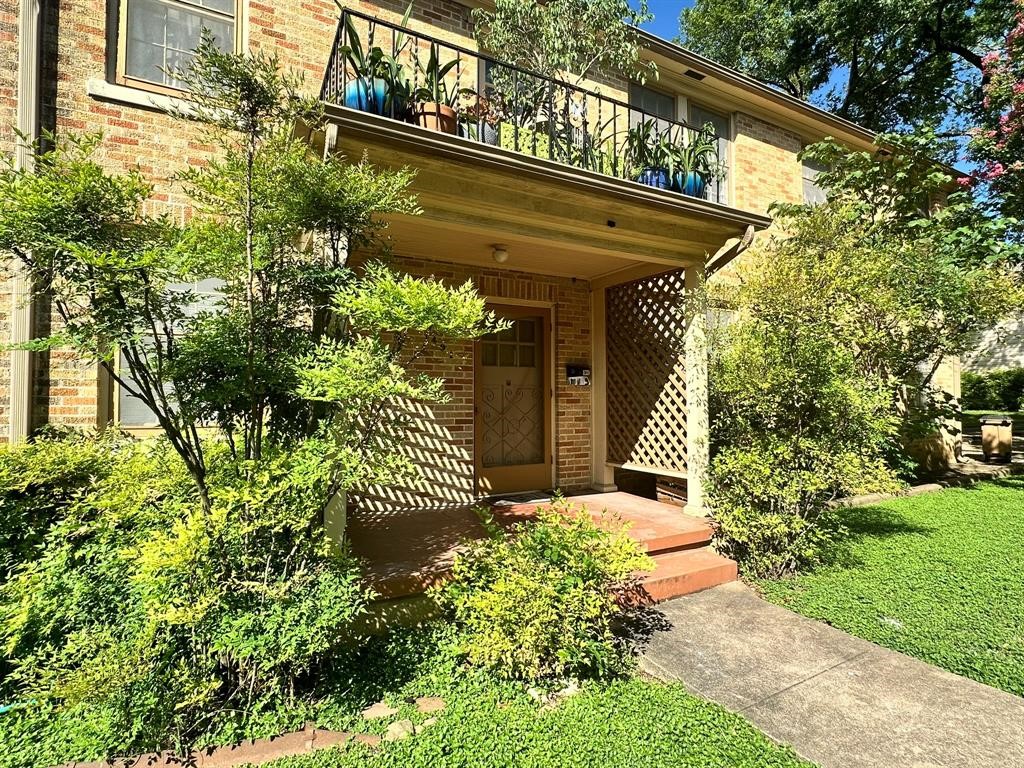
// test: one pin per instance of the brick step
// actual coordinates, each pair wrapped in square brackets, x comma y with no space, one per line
[666,542]
[687,571]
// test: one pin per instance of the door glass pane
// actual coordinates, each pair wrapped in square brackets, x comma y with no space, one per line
[489,353]
[507,354]
[526,356]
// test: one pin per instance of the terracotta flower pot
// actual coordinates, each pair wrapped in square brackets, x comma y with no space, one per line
[437,117]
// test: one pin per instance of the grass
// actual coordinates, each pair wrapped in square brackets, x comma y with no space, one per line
[487,723]
[938,576]
[971,419]
[625,723]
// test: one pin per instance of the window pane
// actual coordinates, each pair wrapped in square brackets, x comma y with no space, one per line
[507,355]
[526,356]
[131,411]
[526,330]
[490,353]
[651,101]
[814,194]
[162,34]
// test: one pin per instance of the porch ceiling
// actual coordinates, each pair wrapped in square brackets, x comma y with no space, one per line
[553,218]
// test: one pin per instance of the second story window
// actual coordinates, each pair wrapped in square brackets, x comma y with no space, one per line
[718,190]
[158,36]
[654,103]
[814,194]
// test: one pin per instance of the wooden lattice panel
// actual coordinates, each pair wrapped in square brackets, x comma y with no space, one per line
[646,376]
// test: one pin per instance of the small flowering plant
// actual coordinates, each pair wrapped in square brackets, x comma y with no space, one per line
[997,144]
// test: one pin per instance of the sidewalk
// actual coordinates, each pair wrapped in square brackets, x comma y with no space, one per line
[839,701]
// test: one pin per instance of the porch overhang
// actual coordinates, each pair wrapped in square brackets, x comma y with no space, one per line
[552,218]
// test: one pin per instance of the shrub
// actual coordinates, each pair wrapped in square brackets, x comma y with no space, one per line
[150,621]
[539,601]
[996,390]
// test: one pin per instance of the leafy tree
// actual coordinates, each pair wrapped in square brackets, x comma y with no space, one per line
[573,39]
[997,144]
[843,318]
[881,64]
[275,223]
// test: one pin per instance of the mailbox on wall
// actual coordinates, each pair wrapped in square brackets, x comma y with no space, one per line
[578,375]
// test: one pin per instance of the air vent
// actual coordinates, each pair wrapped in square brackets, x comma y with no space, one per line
[694,74]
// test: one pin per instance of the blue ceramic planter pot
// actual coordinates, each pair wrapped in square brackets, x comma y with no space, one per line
[693,185]
[366,95]
[654,177]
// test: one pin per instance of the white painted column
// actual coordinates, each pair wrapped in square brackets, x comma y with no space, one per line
[21,290]
[697,427]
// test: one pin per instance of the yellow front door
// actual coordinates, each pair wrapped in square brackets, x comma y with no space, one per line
[513,404]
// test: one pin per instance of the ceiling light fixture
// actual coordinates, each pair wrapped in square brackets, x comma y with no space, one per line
[500,254]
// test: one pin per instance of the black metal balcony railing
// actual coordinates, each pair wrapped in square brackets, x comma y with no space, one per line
[395,72]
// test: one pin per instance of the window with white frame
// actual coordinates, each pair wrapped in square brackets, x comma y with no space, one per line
[814,193]
[132,413]
[160,36]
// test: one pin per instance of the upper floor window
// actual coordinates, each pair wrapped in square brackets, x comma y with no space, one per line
[717,191]
[814,194]
[652,102]
[158,37]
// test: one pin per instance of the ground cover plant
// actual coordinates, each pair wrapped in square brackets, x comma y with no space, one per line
[936,576]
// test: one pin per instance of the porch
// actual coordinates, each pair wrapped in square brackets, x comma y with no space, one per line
[406,551]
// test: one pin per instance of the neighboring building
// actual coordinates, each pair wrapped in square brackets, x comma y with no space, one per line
[998,348]
[589,266]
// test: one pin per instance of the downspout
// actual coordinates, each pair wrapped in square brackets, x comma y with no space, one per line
[29,33]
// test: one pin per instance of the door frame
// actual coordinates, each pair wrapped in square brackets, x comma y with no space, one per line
[514,309]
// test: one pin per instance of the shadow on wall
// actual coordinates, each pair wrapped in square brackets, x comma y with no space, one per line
[997,348]
[444,460]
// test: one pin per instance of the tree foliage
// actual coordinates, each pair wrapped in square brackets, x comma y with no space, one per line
[573,39]
[843,318]
[880,64]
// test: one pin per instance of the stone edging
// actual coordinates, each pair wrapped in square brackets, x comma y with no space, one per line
[956,481]
[251,752]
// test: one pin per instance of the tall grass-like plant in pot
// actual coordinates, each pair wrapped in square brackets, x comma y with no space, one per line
[648,154]
[437,100]
[379,84]
[694,164]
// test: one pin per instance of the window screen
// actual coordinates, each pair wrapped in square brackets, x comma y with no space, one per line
[162,35]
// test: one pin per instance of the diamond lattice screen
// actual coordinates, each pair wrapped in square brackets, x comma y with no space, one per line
[646,378]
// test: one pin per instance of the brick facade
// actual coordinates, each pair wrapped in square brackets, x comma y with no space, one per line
[77,55]
[441,442]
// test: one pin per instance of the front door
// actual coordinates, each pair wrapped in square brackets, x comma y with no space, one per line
[513,403]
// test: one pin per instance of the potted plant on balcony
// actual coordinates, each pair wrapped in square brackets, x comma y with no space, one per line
[437,100]
[648,154]
[694,164]
[379,84]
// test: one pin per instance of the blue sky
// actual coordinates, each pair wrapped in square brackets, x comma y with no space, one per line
[666,17]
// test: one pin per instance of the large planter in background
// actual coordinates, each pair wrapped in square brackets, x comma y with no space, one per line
[654,177]
[366,95]
[437,117]
[692,184]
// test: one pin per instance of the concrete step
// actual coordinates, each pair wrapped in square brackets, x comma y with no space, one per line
[684,572]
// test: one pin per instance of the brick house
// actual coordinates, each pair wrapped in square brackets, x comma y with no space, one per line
[587,264]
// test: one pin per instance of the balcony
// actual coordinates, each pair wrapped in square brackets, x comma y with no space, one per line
[390,71]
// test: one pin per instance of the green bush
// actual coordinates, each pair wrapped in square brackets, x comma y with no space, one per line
[39,480]
[997,390]
[539,601]
[148,622]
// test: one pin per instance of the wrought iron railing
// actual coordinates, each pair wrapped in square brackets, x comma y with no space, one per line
[396,72]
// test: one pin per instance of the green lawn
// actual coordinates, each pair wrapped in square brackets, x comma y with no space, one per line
[622,724]
[938,576]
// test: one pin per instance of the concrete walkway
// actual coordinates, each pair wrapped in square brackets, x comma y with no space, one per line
[839,701]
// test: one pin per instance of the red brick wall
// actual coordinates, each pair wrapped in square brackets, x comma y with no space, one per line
[441,442]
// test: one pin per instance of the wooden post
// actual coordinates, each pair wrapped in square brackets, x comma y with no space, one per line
[603,476]
[697,428]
